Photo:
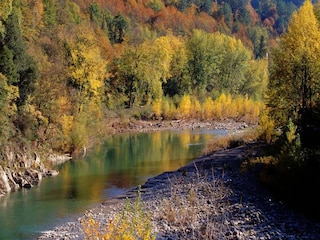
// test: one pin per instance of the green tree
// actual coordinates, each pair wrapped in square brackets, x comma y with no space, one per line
[204,59]
[50,13]
[7,66]
[294,87]
[145,67]
[96,13]
[226,12]
[217,62]
[259,38]
[235,62]
[73,11]
[117,29]
[7,109]
[255,79]
[156,5]
[26,66]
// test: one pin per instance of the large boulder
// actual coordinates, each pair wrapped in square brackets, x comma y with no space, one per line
[4,182]
[14,186]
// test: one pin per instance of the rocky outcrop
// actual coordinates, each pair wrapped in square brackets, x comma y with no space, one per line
[56,159]
[4,182]
[23,170]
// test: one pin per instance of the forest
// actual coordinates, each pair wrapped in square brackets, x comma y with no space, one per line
[68,67]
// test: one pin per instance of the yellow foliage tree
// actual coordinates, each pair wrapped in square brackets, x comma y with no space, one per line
[156,107]
[294,82]
[185,106]
[33,11]
[8,108]
[168,108]
[87,68]
[146,66]
[195,108]
[5,10]
[208,109]
[65,143]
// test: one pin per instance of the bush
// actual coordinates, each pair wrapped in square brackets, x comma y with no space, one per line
[266,128]
[225,106]
[130,224]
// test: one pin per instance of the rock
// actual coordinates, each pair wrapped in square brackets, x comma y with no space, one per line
[37,159]
[4,181]
[52,173]
[18,179]
[27,185]
[24,169]
[58,159]
[14,186]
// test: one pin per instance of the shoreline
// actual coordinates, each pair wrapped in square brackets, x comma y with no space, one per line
[244,210]
[27,169]
[160,125]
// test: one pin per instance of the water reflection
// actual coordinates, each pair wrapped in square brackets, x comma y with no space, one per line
[123,161]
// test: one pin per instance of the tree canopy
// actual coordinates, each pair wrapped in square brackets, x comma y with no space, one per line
[295,71]
[64,62]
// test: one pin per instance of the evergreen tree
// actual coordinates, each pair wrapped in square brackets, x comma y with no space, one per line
[7,66]
[117,29]
[50,13]
[25,65]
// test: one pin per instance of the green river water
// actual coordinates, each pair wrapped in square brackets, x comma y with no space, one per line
[121,162]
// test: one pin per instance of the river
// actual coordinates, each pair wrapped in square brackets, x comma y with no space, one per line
[121,162]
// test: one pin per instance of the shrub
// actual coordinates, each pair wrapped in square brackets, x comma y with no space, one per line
[156,107]
[168,108]
[266,128]
[207,109]
[185,107]
[133,222]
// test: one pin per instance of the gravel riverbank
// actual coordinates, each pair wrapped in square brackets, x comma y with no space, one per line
[211,198]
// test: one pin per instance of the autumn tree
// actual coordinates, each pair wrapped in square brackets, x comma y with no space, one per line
[295,71]
[144,68]
[8,95]
[32,17]
[179,81]
[185,106]
[86,67]
[5,10]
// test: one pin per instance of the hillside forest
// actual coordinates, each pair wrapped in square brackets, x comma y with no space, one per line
[70,67]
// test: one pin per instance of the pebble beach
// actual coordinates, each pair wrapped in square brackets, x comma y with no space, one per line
[211,198]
